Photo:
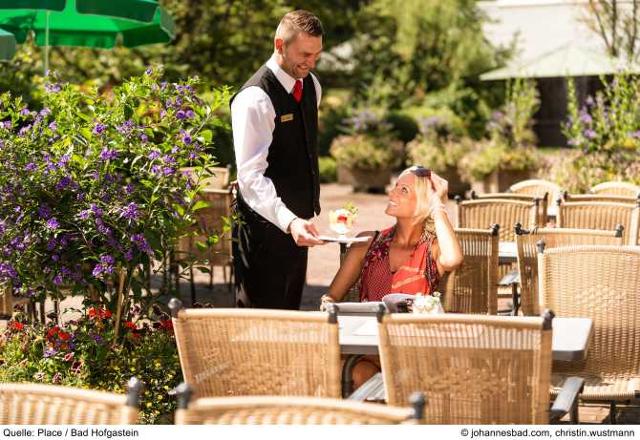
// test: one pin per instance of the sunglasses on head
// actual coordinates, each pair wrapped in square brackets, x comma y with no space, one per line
[420,171]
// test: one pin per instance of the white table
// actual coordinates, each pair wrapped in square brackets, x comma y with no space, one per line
[507,252]
[359,335]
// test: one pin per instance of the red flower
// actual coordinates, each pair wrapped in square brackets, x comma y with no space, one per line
[166,324]
[92,312]
[64,336]
[15,325]
[105,314]
[53,332]
[130,325]
[98,313]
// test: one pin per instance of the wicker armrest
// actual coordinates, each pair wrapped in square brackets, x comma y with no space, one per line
[373,389]
[567,400]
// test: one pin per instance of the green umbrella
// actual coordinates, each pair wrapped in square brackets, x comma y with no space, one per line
[7,44]
[87,23]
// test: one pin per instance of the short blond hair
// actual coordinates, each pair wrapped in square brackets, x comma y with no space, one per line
[298,21]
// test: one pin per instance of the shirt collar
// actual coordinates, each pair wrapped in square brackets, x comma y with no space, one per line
[285,79]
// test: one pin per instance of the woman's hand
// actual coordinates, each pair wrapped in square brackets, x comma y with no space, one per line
[324,301]
[438,193]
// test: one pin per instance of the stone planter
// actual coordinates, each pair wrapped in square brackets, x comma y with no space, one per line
[457,186]
[364,180]
[500,181]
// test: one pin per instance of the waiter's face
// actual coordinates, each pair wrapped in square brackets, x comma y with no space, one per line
[300,55]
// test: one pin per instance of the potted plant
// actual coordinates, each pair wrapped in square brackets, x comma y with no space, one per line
[604,134]
[368,155]
[508,155]
[439,147]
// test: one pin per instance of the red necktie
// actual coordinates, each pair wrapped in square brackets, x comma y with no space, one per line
[297,91]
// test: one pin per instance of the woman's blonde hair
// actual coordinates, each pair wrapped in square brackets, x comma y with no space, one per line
[422,181]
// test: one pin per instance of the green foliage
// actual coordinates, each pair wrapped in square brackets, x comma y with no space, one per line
[510,146]
[90,184]
[366,153]
[86,353]
[328,169]
[606,134]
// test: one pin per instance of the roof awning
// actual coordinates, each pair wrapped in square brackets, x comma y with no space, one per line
[567,60]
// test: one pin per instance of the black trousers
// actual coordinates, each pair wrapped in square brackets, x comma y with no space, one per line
[270,269]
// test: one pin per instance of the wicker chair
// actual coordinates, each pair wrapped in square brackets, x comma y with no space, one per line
[8,301]
[269,410]
[242,352]
[600,215]
[481,213]
[541,202]
[536,188]
[37,404]
[473,369]
[601,283]
[473,287]
[219,178]
[566,197]
[616,188]
[526,241]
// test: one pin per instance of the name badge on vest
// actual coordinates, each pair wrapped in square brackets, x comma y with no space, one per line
[286,118]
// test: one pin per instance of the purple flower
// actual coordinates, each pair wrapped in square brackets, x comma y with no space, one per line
[64,160]
[128,256]
[586,118]
[153,155]
[129,188]
[53,126]
[190,114]
[149,71]
[44,212]
[53,223]
[590,134]
[144,138]
[7,125]
[126,127]
[24,130]
[181,114]
[107,154]
[130,212]
[168,171]
[58,280]
[99,128]
[96,210]
[25,112]
[64,182]
[84,214]
[155,169]
[141,242]
[52,88]
[186,138]
[52,244]
[50,352]
[102,228]
[30,166]
[107,259]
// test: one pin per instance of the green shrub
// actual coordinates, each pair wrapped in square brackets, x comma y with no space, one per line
[437,155]
[328,169]
[367,153]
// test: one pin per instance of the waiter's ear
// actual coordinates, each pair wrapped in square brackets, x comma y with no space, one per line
[278,43]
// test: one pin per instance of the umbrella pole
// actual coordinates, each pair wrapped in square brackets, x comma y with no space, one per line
[46,44]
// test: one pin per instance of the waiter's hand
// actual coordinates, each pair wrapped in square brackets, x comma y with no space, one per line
[304,232]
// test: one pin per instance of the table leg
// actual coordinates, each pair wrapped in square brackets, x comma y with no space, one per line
[515,299]
[347,369]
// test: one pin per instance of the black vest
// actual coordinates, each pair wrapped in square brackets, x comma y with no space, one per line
[293,153]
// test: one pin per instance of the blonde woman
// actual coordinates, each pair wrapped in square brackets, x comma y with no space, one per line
[409,257]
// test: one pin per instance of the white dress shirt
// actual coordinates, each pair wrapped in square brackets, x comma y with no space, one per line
[253,121]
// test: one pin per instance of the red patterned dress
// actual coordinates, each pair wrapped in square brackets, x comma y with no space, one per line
[418,274]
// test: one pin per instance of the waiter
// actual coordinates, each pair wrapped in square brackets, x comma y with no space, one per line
[275,129]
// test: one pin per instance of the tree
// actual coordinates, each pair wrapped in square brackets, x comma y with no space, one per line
[616,22]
